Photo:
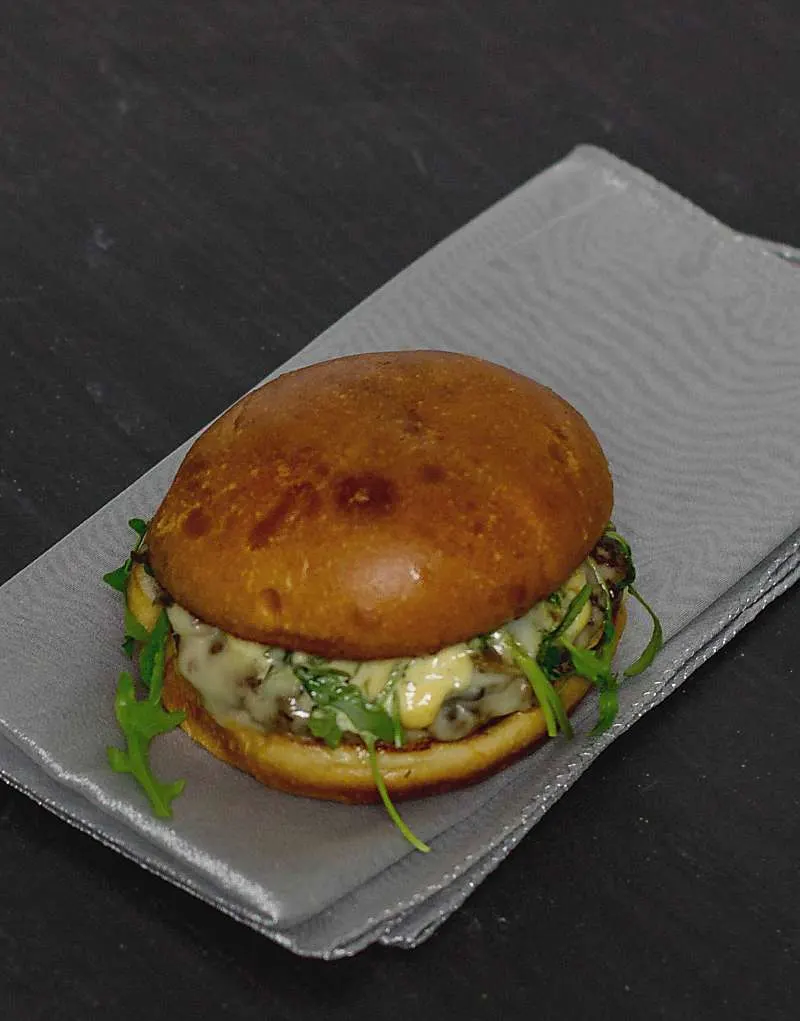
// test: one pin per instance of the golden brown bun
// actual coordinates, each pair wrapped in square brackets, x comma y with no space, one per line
[381,505]
[308,767]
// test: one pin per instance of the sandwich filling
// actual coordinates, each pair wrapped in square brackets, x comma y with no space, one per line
[403,703]
[440,697]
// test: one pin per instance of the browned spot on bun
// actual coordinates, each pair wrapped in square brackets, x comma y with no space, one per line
[412,422]
[299,500]
[306,461]
[367,494]
[432,473]
[197,523]
[555,451]
[272,599]
[381,536]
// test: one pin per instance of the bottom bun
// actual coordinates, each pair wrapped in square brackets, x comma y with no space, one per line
[308,767]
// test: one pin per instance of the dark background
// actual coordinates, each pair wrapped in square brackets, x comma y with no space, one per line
[191,191]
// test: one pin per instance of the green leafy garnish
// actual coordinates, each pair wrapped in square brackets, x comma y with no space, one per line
[552,707]
[549,658]
[388,804]
[332,693]
[596,667]
[139,525]
[134,632]
[133,628]
[118,578]
[322,724]
[656,641]
[595,664]
[592,664]
[143,719]
[549,655]
[153,656]
[388,699]
[653,646]
[573,610]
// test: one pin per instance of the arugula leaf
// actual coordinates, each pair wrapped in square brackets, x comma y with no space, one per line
[332,693]
[549,700]
[366,717]
[655,644]
[134,629]
[388,804]
[548,656]
[317,673]
[593,664]
[118,578]
[595,667]
[388,699]
[152,657]
[139,525]
[140,721]
[134,632]
[574,609]
[329,689]
[322,723]
[607,706]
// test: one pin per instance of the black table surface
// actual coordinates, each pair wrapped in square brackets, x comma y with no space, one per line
[190,192]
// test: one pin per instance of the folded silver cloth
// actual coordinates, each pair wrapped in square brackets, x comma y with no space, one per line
[676,338]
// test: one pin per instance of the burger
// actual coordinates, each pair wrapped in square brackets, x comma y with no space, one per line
[377,577]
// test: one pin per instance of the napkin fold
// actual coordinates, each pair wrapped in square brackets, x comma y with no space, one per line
[676,338]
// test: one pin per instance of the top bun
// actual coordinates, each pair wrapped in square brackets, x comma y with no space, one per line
[381,505]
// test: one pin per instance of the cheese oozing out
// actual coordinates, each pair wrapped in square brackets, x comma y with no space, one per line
[444,696]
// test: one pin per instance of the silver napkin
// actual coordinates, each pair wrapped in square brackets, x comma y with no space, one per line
[676,338]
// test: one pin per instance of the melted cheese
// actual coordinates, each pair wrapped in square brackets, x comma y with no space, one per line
[427,682]
[543,617]
[373,675]
[221,667]
[445,694]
